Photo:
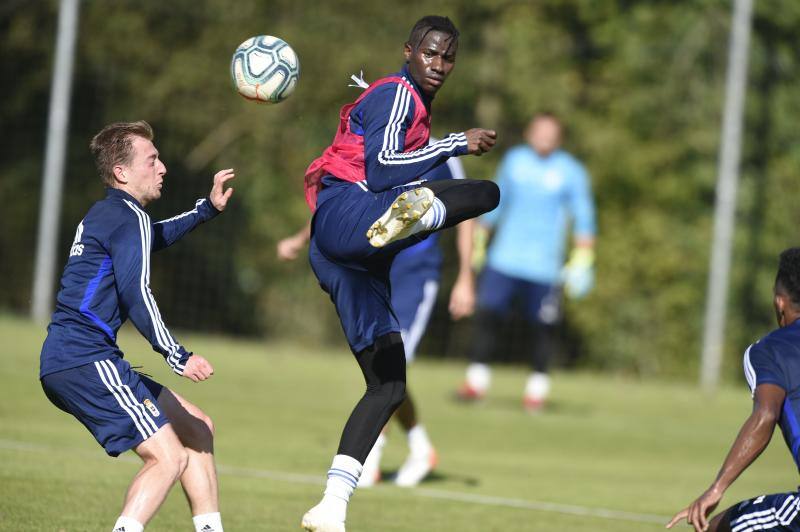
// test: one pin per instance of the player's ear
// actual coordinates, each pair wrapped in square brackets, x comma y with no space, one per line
[407,51]
[780,301]
[119,174]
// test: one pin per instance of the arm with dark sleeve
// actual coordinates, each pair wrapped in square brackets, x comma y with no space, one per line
[129,247]
[385,116]
[167,232]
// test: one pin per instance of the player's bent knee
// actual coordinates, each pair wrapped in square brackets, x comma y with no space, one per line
[198,434]
[398,394]
[182,462]
[392,394]
[205,429]
[203,425]
[490,195]
[176,464]
[210,424]
[164,450]
[171,463]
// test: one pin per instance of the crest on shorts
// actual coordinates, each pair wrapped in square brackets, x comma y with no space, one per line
[151,407]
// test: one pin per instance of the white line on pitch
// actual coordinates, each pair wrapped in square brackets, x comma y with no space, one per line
[455,496]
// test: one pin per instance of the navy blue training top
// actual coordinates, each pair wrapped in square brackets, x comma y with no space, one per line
[382,118]
[107,280]
[775,359]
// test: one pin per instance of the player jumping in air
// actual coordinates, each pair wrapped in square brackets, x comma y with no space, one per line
[105,282]
[772,369]
[368,206]
[414,281]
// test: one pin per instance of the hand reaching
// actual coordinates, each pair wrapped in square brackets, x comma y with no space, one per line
[289,248]
[696,514]
[462,299]
[219,197]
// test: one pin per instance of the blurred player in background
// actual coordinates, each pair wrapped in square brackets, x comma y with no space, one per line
[368,206]
[543,188]
[105,282]
[772,370]
[414,281]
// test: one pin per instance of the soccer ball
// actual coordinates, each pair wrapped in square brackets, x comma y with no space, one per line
[265,69]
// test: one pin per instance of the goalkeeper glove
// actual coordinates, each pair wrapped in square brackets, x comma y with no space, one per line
[578,274]
[480,239]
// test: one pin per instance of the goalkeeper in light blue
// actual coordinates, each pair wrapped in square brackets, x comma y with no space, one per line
[531,261]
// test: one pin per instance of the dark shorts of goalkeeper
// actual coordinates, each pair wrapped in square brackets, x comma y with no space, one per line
[500,294]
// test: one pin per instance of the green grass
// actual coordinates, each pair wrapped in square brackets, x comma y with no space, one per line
[607,443]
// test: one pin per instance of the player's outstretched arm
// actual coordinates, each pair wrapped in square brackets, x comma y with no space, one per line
[479,140]
[749,444]
[129,249]
[386,114]
[167,232]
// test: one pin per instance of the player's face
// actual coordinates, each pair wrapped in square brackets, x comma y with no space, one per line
[432,61]
[145,173]
[544,135]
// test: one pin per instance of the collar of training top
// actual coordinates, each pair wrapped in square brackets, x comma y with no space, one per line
[425,98]
[112,192]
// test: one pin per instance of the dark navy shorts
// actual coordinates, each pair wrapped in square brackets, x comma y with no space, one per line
[777,512]
[413,298]
[349,269]
[118,405]
[497,292]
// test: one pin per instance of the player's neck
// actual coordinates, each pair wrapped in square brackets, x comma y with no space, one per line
[133,193]
[790,317]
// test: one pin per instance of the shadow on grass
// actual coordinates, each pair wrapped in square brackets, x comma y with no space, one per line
[435,477]
[509,403]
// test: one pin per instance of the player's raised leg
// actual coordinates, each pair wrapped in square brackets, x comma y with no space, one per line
[437,205]
[199,480]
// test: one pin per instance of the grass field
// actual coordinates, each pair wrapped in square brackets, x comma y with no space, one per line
[610,455]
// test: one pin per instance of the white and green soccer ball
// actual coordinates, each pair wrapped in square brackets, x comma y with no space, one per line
[265,69]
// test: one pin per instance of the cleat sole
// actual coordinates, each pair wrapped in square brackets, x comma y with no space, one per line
[398,221]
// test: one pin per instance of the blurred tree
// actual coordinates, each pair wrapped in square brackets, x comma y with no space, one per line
[637,83]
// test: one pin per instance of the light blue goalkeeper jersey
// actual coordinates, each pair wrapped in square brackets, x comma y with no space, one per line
[540,198]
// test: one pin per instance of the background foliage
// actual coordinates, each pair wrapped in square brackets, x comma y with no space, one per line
[639,85]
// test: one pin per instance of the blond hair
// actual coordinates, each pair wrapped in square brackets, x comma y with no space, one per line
[113,146]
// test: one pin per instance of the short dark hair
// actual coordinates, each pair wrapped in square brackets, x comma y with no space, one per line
[425,25]
[546,115]
[788,277]
[113,145]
